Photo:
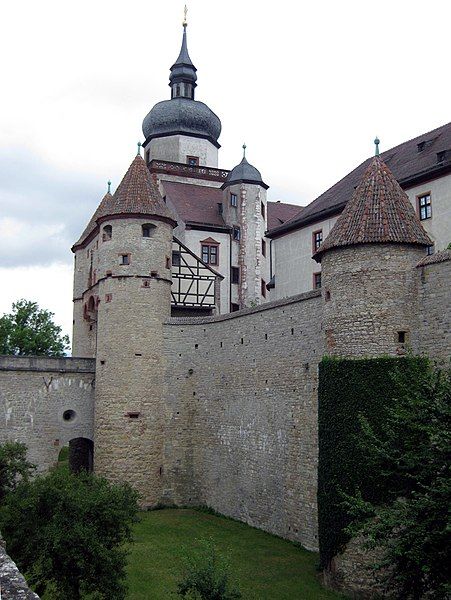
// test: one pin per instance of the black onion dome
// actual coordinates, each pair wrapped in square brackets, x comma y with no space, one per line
[244,173]
[182,116]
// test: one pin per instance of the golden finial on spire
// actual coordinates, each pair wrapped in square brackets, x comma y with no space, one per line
[185,11]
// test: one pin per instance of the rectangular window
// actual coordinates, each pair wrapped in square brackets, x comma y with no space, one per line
[425,206]
[192,161]
[125,259]
[234,307]
[263,210]
[236,234]
[233,199]
[317,239]
[263,288]
[263,248]
[316,281]
[210,254]
[235,274]
[176,258]
[430,249]
[220,208]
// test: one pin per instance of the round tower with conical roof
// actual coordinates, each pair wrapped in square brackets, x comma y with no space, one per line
[182,129]
[130,237]
[245,211]
[368,274]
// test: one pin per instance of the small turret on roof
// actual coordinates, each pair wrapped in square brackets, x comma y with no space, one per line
[378,212]
[136,196]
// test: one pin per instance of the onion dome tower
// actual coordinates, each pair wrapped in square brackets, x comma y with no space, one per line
[368,268]
[182,128]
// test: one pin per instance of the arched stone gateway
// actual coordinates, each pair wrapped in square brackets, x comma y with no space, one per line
[81,455]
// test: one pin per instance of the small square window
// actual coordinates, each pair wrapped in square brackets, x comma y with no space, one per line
[236,234]
[316,281]
[263,248]
[235,274]
[425,206]
[192,161]
[317,239]
[125,259]
[108,297]
[233,200]
[234,307]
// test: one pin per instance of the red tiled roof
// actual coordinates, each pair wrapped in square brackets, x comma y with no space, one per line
[136,194]
[438,257]
[195,203]
[378,212]
[279,213]
[406,161]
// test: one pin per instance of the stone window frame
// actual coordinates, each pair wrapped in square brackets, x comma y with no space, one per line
[122,255]
[192,161]
[424,207]
[236,233]
[317,239]
[212,250]
[234,200]
[235,274]
[317,283]
[147,229]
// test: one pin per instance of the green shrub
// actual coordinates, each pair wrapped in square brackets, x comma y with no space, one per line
[347,389]
[207,574]
[14,467]
[67,534]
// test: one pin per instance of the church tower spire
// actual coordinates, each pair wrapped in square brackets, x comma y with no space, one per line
[182,79]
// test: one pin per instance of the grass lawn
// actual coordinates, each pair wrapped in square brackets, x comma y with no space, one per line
[265,566]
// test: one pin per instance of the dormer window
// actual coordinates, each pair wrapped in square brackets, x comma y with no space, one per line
[107,233]
[147,230]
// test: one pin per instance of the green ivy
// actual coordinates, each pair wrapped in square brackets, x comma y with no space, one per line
[348,388]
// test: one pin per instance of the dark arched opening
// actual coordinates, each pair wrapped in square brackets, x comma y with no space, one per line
[81,455]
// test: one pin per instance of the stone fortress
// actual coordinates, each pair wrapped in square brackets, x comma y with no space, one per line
[197,383]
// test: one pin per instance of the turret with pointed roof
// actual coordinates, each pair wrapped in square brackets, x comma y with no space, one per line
[368,269]
[136,195]
[378,212]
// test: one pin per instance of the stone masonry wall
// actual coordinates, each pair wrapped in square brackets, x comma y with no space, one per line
[433,333]
[35,392]
[241,434]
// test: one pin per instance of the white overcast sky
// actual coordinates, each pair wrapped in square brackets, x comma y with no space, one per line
[307,86]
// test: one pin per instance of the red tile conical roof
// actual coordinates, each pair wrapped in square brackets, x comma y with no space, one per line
[378,212]
[137,194]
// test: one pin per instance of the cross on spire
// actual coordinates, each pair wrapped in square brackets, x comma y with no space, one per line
[139,149]
[185,12]
[109,186]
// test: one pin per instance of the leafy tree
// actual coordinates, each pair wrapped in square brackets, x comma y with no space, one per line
[29,330]
[207,575]
[411,454]
[67,534]
[14,467]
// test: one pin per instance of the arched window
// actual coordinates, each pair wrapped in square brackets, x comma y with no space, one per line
[107,233]
[148,229]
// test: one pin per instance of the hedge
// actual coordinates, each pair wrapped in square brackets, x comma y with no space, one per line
[348,388]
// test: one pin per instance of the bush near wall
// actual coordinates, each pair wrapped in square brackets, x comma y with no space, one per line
[349,388]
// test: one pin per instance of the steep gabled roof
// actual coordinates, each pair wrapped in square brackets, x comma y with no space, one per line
[378,212]
[411,162]
[137,194]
